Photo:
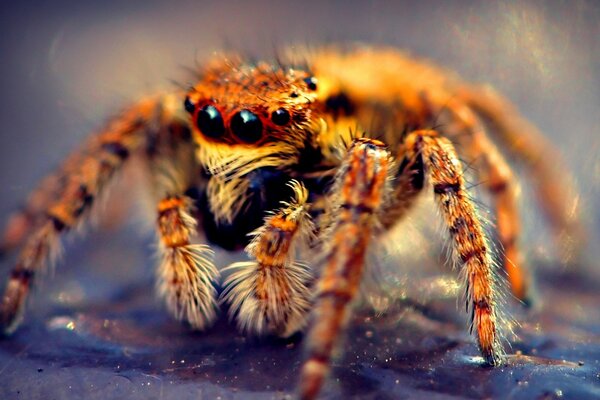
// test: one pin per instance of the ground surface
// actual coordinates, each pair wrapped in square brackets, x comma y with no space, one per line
[89,336]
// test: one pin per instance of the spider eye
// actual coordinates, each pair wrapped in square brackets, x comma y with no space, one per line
[189,106]
[311,82]
[246,126]
[210,122]
[280,117]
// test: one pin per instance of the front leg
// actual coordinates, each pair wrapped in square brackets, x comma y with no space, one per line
[186,274]
[360,192]
[270,294]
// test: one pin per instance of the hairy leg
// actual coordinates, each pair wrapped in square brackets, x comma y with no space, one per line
[22,222]
[99,160]
[186,274]
[501,183]
[554,186]
[445,173]
[360,192]
[270,294]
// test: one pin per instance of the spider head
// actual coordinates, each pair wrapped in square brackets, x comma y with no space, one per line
[251,124]
[243,105]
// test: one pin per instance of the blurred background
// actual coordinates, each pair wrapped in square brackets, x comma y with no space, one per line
[66,65]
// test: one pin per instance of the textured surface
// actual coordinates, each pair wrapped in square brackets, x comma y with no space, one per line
[96,330]
[121,344]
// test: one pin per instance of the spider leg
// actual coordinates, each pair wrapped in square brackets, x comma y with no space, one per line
[84,181]
[408,183]
[444,170]
[554,186]
[271,293]
[186,274]
[32,213]
[360,192]
[503,187]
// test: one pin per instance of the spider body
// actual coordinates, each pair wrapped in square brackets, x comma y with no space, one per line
[291,161]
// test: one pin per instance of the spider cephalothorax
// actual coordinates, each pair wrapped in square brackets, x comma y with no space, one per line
[253,123]
[304,167]
[271,105]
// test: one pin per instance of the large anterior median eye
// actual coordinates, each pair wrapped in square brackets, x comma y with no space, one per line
[210,122]
[246,126]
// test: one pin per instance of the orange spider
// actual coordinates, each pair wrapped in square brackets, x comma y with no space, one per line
[288,161]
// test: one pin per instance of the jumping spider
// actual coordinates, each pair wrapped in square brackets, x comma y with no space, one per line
[283,160]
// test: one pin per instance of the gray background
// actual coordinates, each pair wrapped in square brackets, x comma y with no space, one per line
[66,65]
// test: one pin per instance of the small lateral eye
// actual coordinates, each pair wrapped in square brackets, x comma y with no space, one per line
[210,122]
[246,126]
[280,117]
[311,82]
[190,107]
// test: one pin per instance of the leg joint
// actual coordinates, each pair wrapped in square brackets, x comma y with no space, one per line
[446,187]
[22,275]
